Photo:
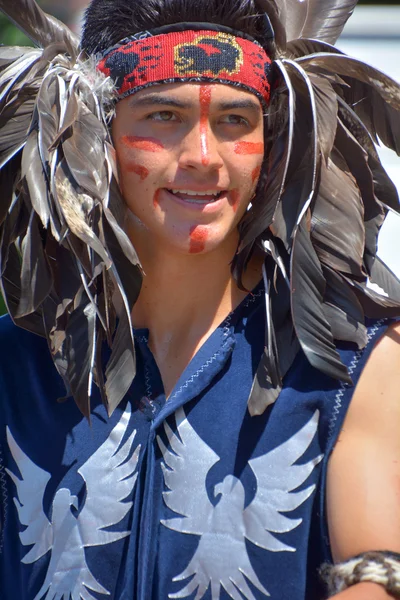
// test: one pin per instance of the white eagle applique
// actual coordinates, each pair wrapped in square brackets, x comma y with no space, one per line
[221,558]
[110,477]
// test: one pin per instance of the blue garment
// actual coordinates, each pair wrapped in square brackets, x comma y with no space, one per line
[189,498]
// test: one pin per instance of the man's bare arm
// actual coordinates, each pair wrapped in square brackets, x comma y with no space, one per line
[364,591]
[363,491]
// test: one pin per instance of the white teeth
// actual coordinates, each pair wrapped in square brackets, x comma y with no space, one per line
[192,193]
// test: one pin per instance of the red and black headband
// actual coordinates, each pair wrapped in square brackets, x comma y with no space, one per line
[188,52]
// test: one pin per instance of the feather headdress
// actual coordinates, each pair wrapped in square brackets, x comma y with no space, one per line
[65,260]
[66,263]
[327,195]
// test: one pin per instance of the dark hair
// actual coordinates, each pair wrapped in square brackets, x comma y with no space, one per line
[109,21]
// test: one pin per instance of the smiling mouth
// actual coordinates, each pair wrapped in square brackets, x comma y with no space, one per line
[197,197]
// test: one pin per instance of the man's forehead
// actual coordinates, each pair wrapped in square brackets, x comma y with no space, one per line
[187,94]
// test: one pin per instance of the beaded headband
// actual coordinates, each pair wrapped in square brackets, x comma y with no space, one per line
[201,52]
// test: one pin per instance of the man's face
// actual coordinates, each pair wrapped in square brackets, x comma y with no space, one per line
[189,156]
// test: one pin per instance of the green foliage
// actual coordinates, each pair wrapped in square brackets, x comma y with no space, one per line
[11,35]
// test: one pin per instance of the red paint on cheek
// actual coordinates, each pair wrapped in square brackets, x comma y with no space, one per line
[234,198]
[139,170]
[142,143]
[256,174]
[205,101]
[198,238]
[249,148]
[156,200]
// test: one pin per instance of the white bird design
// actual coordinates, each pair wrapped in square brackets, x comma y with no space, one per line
[221,558]
[110,477]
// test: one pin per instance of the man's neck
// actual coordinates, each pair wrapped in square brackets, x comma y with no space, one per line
[182,301]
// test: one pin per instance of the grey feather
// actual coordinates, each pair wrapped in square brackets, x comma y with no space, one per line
[317,19]
[61,226]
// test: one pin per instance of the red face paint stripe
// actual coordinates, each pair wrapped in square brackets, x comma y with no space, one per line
[142,143]
[234,198]
[139,170]
[205,101]
[249,148]
[156,201]
[198,238]
[256,174]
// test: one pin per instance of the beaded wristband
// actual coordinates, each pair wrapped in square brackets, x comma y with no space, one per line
[382,567]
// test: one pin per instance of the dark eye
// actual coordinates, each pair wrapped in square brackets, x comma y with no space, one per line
[234,120]
[163,115]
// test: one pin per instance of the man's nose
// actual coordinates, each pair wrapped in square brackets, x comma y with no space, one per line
[201,149]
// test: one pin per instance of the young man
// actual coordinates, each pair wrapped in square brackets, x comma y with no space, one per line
[234,465]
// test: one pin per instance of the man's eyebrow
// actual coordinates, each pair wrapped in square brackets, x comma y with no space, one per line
[246,103]
[163,100]
[157,99]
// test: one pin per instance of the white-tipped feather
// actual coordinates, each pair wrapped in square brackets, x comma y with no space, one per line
[70,107]
[281,66]
[314,135]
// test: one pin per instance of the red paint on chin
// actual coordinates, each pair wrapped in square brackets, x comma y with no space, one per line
[205,101]
[256,174]
[142,143]
[156,200]
[249,148]
[198,238]
[139,170]
[234,198]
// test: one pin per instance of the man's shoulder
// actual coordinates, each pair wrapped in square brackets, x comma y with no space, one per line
[364,467]
[379,383]
[22,353]
[7,327]
[29,379]
[13,337]
[6,324]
